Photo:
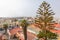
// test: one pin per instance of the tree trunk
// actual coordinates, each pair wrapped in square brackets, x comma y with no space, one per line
[25,32]
[5,31]
[45,38]
[45,29]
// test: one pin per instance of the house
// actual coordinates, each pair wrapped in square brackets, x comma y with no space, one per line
[19,33]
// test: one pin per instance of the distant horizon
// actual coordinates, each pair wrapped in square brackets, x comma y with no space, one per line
[22,16]
[28,8]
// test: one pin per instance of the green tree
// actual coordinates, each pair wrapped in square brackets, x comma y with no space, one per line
[44,20]
[5,26]
[24,25]
[49,35]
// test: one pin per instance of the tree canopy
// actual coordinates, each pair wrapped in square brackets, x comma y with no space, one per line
[45,20]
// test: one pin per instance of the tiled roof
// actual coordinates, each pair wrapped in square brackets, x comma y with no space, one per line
[54,31]
[15,30]
[57,25]
[30,35]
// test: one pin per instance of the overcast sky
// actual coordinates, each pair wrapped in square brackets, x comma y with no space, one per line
[17,8]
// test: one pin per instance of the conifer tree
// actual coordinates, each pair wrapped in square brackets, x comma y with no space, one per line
[44,20]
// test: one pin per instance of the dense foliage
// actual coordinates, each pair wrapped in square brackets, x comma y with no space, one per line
[45,22]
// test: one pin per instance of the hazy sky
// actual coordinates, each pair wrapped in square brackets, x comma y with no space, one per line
[16,8]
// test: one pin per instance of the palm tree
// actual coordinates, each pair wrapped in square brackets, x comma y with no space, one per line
[5,26]
[24,25]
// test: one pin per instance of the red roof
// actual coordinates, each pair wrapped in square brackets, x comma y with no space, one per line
[15,30]
[30,35]
[54,31]
[57,25]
